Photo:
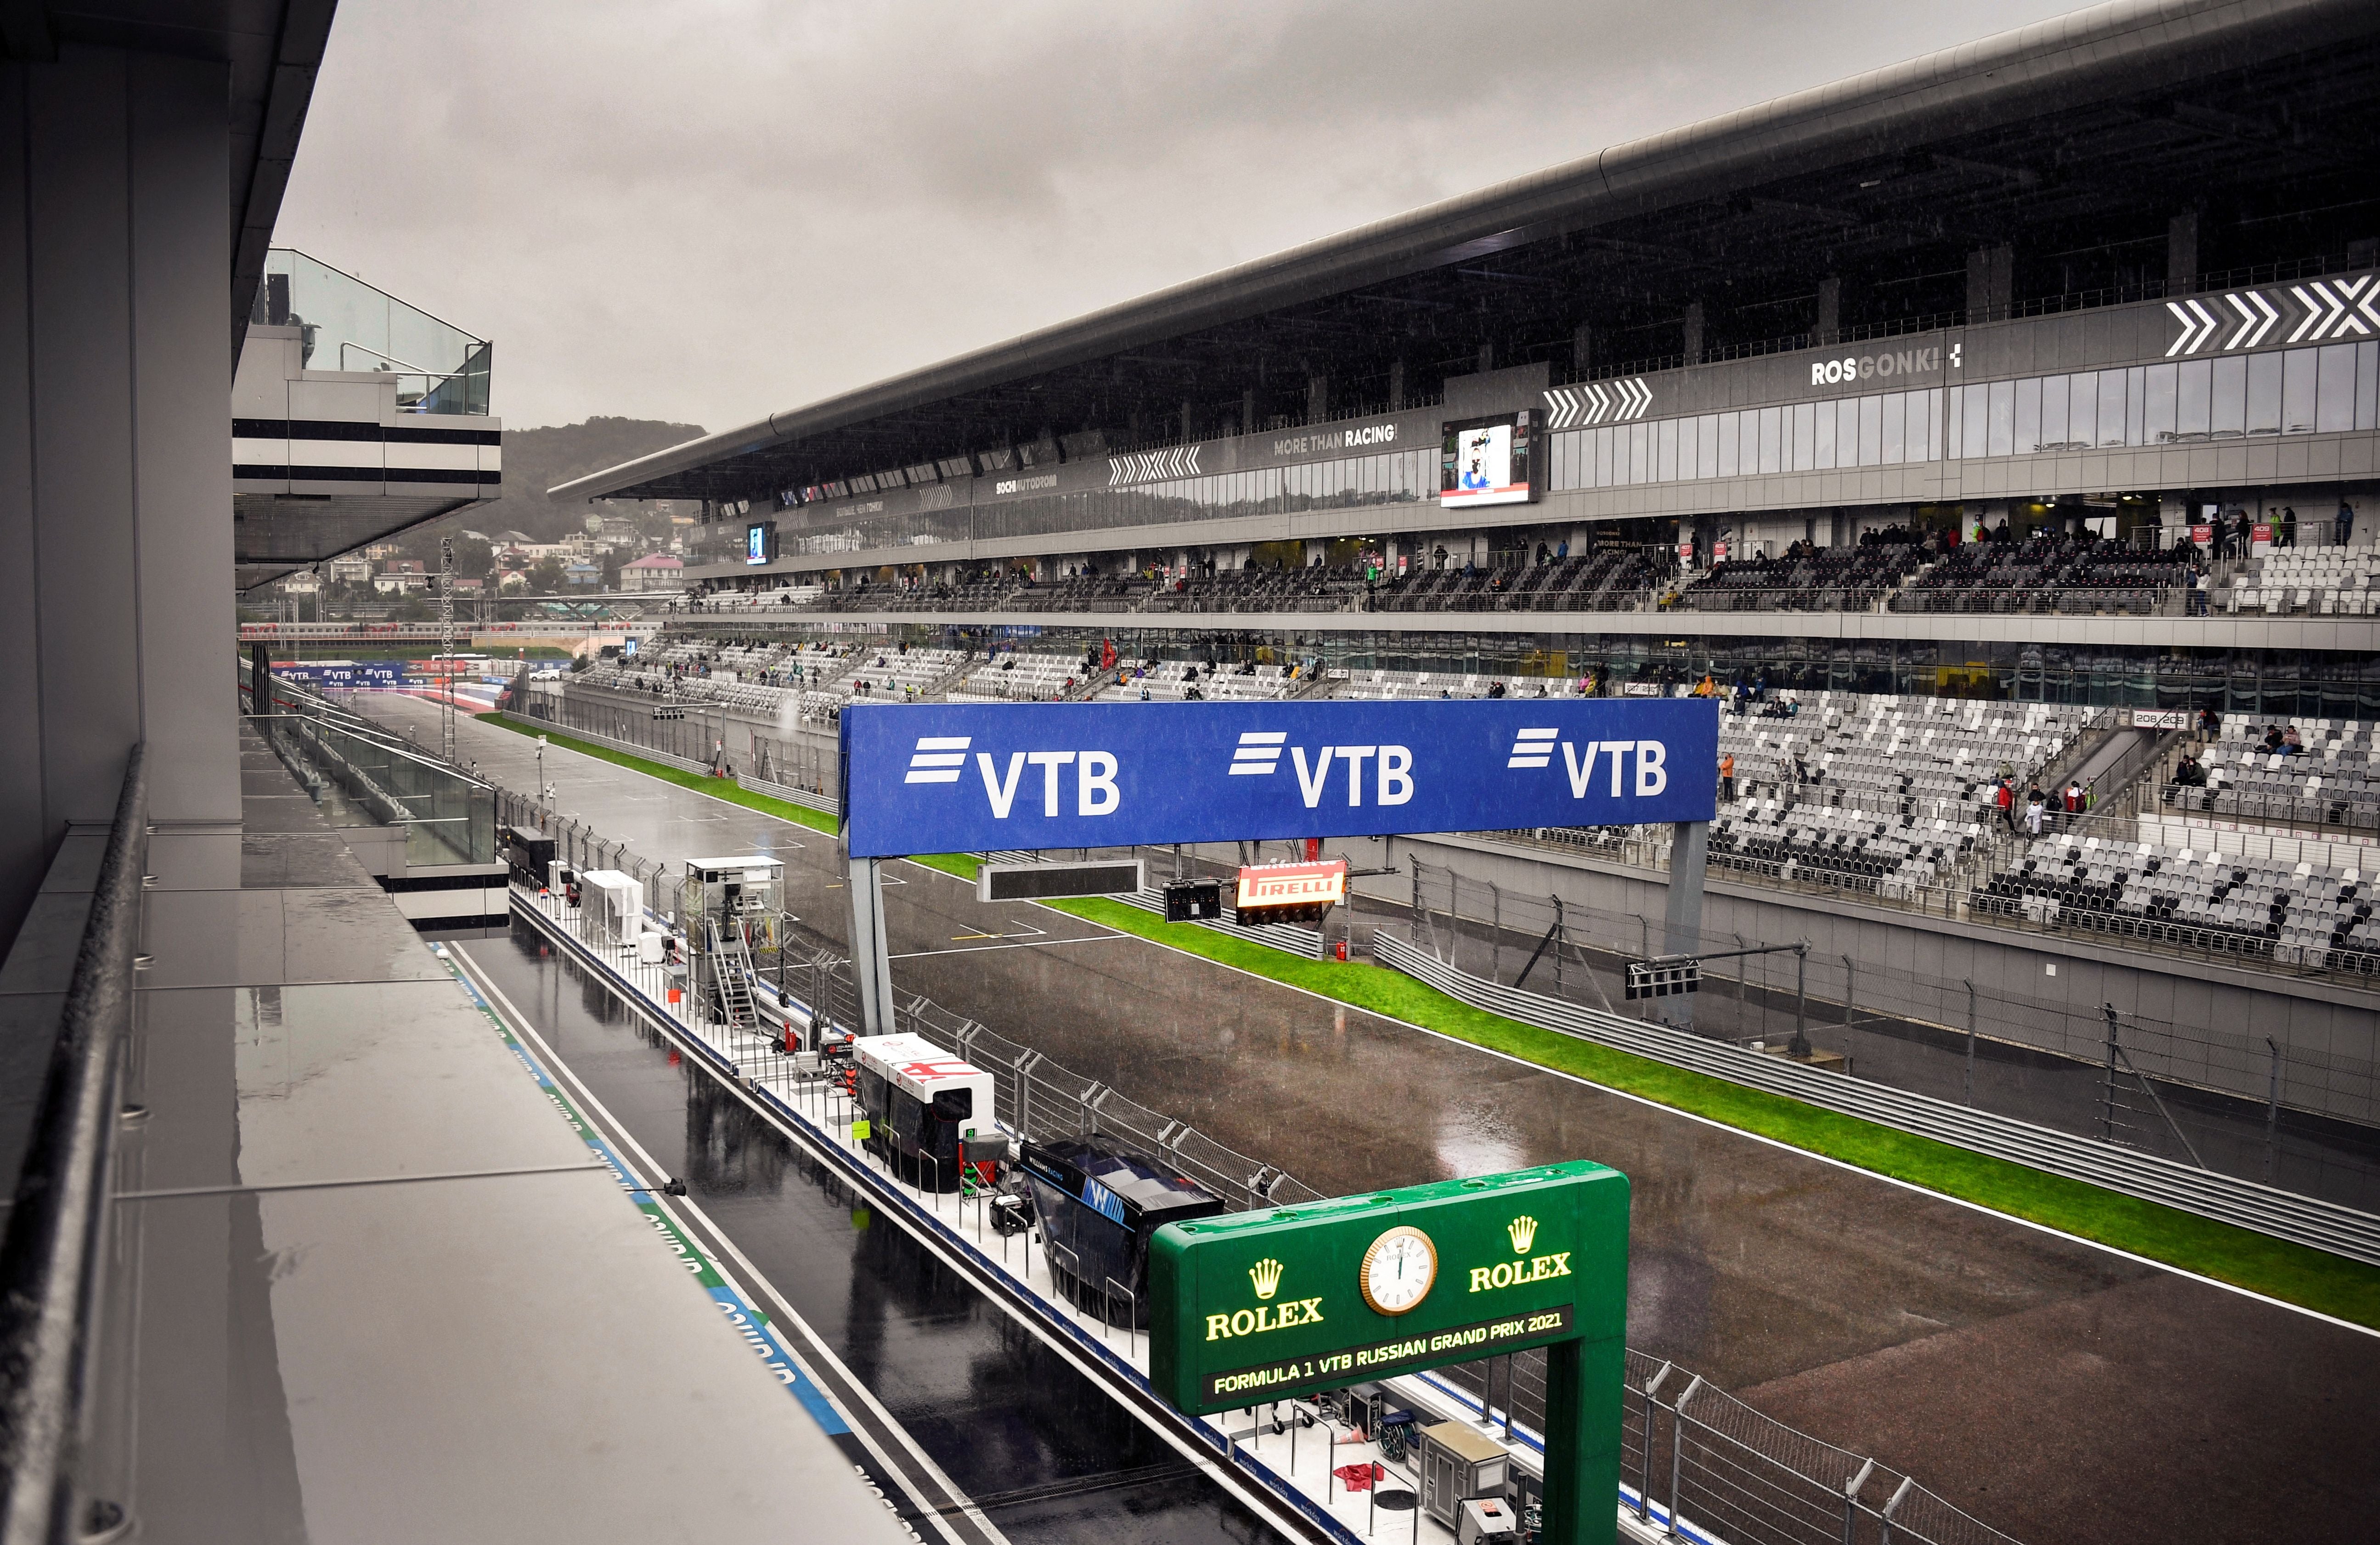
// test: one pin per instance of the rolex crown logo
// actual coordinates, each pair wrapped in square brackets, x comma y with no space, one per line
[1266,1276]
[1524,1230]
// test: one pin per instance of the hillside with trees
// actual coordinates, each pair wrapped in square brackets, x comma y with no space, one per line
[536,459]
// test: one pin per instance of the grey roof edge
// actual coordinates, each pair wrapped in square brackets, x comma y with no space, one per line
[2138,44]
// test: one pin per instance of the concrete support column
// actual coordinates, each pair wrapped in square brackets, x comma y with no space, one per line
[1582,348]
[2181,252]
[1248,411]
[1681,928]
[1991,281]
[1396,384]
[1830,309]
[1694,334]
[1317,397]
[871,965]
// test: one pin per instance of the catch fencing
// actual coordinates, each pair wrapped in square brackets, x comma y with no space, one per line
[2236,1102]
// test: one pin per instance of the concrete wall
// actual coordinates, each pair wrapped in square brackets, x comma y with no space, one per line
[2048,988]
[115,531]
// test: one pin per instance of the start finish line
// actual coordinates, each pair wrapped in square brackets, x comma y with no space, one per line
[980,777]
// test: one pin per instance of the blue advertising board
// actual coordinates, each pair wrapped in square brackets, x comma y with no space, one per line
[976,777]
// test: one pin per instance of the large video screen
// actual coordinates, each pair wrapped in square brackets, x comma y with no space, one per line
[1488,461]
[759,536]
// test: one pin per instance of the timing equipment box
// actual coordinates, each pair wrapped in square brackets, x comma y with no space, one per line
[1188,901]
[1120,877]
[1664,979]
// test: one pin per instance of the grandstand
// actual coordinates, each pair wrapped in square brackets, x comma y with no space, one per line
[2318,581]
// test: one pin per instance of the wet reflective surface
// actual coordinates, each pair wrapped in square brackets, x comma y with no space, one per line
[2034,1380]
[364,1284]
[1040,1448]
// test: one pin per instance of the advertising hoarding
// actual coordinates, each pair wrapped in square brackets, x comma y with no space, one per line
[985,777]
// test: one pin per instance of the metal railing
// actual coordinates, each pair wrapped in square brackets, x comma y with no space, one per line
[1717,1451]
[2284,1215]
[51,1262]
[2286,1115]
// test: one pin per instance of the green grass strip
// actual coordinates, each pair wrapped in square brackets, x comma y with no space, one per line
[2294,1273]
[701,783]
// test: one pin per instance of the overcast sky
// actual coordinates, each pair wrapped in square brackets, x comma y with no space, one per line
[711,209]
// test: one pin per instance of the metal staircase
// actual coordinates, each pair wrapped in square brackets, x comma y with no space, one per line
[731,965]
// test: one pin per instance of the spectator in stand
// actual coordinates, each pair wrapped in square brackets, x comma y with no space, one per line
[2345,521]
[2210,724]
[2035,805]
[2189,772]
[1727,777]
[2074,798]
[2287,532]
[2292,744]
[2243,536]
[2004,795]
[2199,590]
[2273,738]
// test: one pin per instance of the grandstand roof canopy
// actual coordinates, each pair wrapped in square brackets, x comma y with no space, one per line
[2075,141]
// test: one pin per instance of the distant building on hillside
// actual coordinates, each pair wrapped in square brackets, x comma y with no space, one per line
[657,572]
[401,576]
[582,575]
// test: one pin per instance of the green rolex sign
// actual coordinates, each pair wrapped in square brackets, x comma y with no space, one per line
[1263,1305]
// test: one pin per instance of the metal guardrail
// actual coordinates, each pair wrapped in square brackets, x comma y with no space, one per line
[2243,1203]
[51,1262]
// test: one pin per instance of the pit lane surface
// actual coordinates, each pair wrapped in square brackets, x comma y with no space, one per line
[2056,1390]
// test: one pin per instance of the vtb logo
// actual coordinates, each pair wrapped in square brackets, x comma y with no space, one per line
[1258,756]
[1265,1277]
[942,758]
[1534,748]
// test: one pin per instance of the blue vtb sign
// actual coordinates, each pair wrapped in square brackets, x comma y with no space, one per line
[971,777]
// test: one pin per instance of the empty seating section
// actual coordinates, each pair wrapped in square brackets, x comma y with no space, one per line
[1088,593]
[1879,747]
[1260,589]
[2300,912]
[1616,578]
[1020,678]
[1442,683]
[1874,792]
[2333,781]
[1813,579]
[1182,680]
[2049,574]
[2317,581]
[1891,850]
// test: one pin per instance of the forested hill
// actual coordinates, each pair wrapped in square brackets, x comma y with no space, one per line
[536,459]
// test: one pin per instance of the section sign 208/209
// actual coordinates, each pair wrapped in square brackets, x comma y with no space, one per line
[975,777]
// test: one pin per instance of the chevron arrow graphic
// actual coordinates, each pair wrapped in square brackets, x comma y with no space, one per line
[2247,322]
[2313,310]
[2361,294]
[2188,327]
[1596,404]
[2272,316]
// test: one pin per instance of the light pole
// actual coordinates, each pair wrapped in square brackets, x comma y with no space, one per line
[544,789]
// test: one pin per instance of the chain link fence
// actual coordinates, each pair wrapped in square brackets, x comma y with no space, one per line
[2234,1102]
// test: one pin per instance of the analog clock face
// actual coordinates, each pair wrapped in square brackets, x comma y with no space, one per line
[1398,1269]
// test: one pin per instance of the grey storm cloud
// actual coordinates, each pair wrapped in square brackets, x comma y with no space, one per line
[708,210]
